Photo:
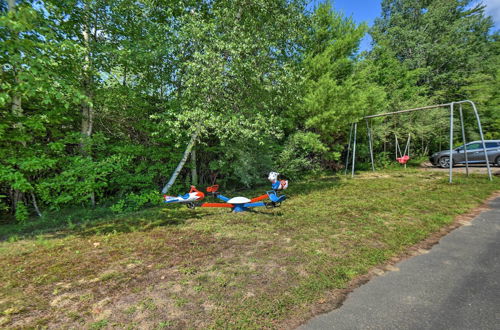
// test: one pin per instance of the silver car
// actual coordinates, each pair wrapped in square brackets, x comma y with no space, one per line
[475,154]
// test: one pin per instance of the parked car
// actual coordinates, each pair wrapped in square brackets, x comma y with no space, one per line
[475,154]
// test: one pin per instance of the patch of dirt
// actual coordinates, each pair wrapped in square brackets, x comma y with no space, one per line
[63,300]
[335,299]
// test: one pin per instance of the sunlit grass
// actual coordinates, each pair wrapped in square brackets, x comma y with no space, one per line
[176,267]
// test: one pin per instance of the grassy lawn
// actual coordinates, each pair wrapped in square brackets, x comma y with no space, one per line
[171,267]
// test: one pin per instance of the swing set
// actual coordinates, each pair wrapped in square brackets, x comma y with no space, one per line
[404,157]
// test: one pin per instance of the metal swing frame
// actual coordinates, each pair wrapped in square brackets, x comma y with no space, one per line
[451,106]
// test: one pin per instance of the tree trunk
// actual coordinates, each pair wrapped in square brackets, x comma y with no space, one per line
[17,111]
[87,107]
[194,172]
[16,196]
[181,163]
[35,205]
[16,106]
[12,5]
[125,70]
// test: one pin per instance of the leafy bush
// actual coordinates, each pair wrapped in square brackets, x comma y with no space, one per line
[135,201]
[79,179]
[300,154]
[383,159]
[22,212]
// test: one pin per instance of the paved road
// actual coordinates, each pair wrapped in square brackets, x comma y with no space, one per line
[454,286]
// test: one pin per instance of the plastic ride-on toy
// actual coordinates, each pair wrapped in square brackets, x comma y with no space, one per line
[237,204]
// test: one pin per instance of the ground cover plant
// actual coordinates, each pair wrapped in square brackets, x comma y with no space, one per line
[207,268]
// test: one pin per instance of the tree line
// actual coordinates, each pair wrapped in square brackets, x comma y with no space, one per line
[99,99]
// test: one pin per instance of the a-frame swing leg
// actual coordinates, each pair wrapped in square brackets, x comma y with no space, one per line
[464,139]
[354,149]
[348,150]
[370,144]
[451,143]
[482,139]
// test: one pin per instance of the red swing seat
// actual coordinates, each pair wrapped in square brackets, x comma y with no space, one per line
[403,160]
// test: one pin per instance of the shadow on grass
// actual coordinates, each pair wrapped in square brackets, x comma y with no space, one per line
[102,221]
[139,221]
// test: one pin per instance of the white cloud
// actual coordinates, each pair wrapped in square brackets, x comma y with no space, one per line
[493,9]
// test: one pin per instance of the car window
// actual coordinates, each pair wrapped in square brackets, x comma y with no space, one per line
[472,146]
[491,144]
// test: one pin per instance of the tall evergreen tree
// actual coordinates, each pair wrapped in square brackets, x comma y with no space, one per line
[445,39]
[337,86]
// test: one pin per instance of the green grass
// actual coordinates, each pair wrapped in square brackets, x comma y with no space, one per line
[175,267]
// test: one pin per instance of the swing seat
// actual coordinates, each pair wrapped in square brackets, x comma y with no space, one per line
[403,160]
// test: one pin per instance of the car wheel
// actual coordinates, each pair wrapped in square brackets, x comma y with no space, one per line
[444,162]
[497,161]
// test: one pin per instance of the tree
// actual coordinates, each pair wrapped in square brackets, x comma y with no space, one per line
[337,86]
[111,92]
[37,85]
[483,86]
[445,40]
[237,78]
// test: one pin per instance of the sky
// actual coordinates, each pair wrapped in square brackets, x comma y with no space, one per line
[368,10]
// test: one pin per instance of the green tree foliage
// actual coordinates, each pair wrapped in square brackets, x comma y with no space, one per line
[32,131]
[483,86]
[338,88]
[444,39]
[238,80]
[111,91]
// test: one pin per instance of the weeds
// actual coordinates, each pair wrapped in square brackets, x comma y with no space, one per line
[99,325]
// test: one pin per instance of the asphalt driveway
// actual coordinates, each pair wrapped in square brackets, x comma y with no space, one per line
[454,286]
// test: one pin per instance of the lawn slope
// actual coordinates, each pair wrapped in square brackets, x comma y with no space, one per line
[174,267]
